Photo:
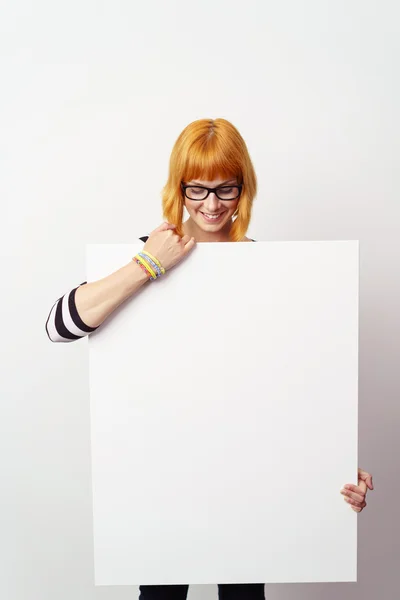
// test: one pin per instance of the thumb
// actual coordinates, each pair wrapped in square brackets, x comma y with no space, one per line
[366,477]
[363,486]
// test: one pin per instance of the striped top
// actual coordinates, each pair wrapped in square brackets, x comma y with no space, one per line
[64,323]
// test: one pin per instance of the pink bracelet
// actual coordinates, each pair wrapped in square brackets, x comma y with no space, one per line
[142,267]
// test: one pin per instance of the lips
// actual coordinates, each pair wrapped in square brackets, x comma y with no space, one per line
[212,218]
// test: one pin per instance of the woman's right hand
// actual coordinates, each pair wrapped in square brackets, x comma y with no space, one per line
[167,246]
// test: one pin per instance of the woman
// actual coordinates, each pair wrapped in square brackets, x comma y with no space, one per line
[212,176]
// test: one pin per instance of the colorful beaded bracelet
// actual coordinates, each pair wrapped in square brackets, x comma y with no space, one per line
[154,260]
[145,267]
[149,260]
[149,264]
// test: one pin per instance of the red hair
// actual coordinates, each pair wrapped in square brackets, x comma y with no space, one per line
[208,149]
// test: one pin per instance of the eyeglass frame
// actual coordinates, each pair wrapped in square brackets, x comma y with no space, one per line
[209,190]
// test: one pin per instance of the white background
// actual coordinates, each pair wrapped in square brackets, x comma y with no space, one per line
[93,96]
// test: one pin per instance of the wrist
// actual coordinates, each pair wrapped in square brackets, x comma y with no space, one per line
[135,275]
[149,265]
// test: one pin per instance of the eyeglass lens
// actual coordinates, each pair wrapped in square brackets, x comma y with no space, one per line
[223,193]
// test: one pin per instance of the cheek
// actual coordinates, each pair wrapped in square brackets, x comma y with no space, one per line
[192,208]
[232,207]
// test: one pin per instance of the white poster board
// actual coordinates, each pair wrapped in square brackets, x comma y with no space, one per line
[224,417]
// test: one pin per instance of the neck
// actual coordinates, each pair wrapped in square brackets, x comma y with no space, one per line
[193,230]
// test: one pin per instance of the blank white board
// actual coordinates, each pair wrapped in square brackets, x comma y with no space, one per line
[224,417]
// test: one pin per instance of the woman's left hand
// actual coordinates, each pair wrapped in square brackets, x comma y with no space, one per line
[355,494]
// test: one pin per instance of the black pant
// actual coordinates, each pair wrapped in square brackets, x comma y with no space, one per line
[228,591]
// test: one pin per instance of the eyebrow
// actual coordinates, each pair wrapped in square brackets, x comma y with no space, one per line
[227,181]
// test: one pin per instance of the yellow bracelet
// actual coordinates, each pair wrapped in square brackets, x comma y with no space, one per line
[146,265]
[154,260]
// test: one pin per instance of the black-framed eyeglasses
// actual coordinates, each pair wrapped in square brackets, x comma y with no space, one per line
[223,192]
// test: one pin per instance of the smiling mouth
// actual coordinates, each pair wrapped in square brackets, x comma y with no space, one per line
[212,217]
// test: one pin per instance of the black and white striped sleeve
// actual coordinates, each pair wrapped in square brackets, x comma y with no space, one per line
[64,323]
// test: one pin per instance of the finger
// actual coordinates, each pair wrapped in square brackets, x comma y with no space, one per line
[353,495]
[176,238]
[355,502]
[358,508]
[361,488]
[185,239]
[189,245]
[367,477]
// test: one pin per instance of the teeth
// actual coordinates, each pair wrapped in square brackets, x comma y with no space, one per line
[211,216]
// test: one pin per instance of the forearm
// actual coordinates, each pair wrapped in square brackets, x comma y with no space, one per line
[80,311]
[95,301]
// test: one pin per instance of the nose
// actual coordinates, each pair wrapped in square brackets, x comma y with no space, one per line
[211,203]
